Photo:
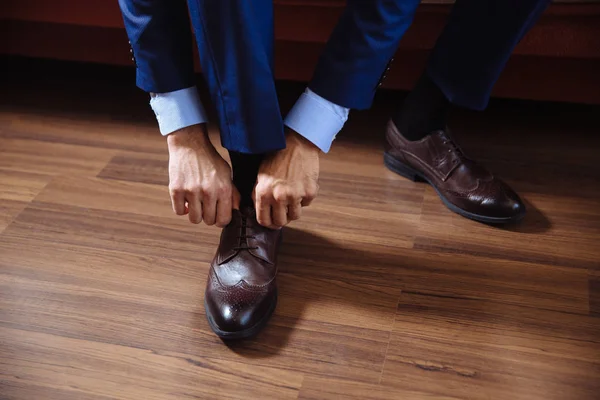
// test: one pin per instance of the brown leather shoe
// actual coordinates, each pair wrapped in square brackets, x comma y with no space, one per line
[241,292]
[463,185]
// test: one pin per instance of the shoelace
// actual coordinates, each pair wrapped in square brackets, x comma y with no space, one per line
[243,238]
[453,147]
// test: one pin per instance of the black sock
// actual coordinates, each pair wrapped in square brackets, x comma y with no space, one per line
[245,171]
[424,110]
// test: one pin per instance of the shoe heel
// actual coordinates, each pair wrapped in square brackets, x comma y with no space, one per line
[398,167]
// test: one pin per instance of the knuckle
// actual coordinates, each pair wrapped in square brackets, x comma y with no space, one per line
[263,187]
[191,192]
[223,219]
[175,190]
[206,191]
[280,196]
[297,197]
[263,195]
[224,190]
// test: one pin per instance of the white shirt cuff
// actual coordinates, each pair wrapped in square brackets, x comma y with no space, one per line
[178,109]
[317,119]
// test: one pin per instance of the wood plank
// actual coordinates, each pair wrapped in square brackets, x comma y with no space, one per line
[569,227]
[110,195]
[51,158]
[9,209]
[21,186]
[319,388]
[16,190]
[134,168]
[480,350]
[132,233]
[80,366]
[594,291]
[311,254]
[18,390]
[55,295]
[100,130]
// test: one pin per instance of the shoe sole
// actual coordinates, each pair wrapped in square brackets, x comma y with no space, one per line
[409,173]
[246,333]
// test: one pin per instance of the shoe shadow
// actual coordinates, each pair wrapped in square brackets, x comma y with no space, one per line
[301,253]
[534,221]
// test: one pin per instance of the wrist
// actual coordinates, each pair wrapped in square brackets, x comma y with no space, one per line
[194,136]
[293,138]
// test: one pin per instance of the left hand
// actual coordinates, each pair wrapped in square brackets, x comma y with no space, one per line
[287,181]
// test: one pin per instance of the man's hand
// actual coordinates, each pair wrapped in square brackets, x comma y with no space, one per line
[287,181]
[199,178]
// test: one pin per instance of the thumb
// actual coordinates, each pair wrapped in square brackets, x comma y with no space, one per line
[236,198]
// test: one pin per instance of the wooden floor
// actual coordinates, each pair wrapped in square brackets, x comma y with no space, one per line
[384,293]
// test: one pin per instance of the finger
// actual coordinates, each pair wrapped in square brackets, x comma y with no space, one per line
[178,202]
[195,209]
[306,201]
[223,211]
[310,195]
[294,211]
[279,214]
[236,198]
[209,211]
[263,212]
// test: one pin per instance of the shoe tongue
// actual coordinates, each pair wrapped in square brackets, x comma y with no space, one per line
[247,211]
[444,135]
[449,156]
[260,241]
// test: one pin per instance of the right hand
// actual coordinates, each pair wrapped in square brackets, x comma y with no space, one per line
[287,181]
[199,178]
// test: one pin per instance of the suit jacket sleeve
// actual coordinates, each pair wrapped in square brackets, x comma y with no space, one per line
[161,42]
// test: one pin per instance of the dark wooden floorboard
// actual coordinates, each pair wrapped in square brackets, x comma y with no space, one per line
[384,293]
[479,350]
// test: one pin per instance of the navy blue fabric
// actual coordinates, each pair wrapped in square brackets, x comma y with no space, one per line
[161,39]
[235,41]
[465,63]
[475,45]
[359,50]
